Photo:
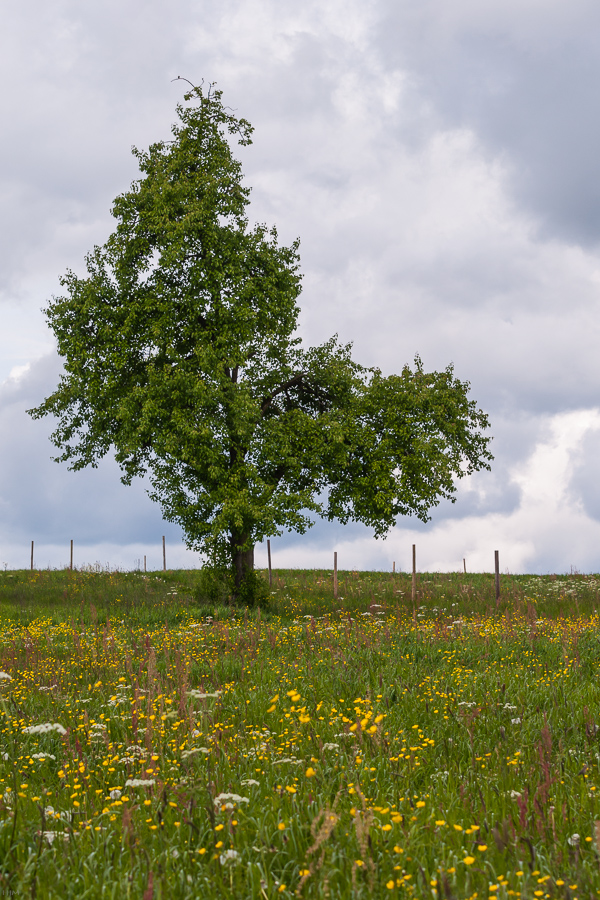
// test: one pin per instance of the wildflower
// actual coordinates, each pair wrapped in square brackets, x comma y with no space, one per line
[574,840]
[249,782]
[230,856]
[310,772]
[235,798]
[516,721]
[45,728]
[42,756]
[139,782]
[4,676]
[469,860]
[198,695]
[115,794]
[331,746]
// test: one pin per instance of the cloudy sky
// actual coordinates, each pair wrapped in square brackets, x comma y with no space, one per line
[441,165]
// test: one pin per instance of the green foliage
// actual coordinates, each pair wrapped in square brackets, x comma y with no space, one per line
[180,354]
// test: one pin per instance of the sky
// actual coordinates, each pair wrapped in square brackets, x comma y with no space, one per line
[440,163]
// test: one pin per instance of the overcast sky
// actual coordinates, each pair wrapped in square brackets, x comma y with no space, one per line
[440,163]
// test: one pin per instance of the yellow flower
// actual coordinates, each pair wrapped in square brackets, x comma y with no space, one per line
[420,804]
[290,789]
[310,772]
[386,827]
[271,708]
[219,827]
[440,822]
[482,848]
[358,862]
[390,884]
[469,860]
[281,826]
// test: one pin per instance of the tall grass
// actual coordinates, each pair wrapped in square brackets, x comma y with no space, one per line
[366,747]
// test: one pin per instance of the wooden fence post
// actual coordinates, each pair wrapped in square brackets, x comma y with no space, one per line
[414,574]
[71,566]
[269,559]
[497,570]
[164,555]
[32,556]
[464,566]
[393,568]
[144,562]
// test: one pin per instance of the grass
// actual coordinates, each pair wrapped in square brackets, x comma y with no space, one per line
[353,748]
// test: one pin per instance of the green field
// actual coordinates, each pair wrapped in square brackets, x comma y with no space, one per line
[156,746]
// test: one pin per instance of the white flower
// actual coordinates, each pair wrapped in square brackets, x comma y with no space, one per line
[4,676]
[139,782]
[198,695]
[45,728]
[516,721]
[186,753]
[175,853]
[42,756]
[115,794]
[515,795]
[508,706]
[574,840]
[248,782]
[220,798]
[331,746]
[230,856]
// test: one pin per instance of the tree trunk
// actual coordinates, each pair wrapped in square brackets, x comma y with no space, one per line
[243,562]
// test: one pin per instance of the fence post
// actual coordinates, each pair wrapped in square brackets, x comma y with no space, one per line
[464,566]
[164,555]
[497,570]
[71,565]
[393,568]
[269,559]
[335,577]
[144,562]
[414,574]
[32,556]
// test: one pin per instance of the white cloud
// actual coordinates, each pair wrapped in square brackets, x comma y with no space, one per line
[429,157]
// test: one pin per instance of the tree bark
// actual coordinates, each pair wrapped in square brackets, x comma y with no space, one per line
[243,561]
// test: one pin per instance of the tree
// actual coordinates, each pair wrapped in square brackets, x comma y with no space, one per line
[180,354]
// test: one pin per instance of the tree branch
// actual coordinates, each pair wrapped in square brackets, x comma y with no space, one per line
[266,401]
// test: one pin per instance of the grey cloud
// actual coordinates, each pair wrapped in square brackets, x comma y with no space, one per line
[43,501]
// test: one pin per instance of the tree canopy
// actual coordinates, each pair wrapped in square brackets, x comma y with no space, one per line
[180,355]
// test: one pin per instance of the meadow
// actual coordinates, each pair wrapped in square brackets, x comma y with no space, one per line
[153,745]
